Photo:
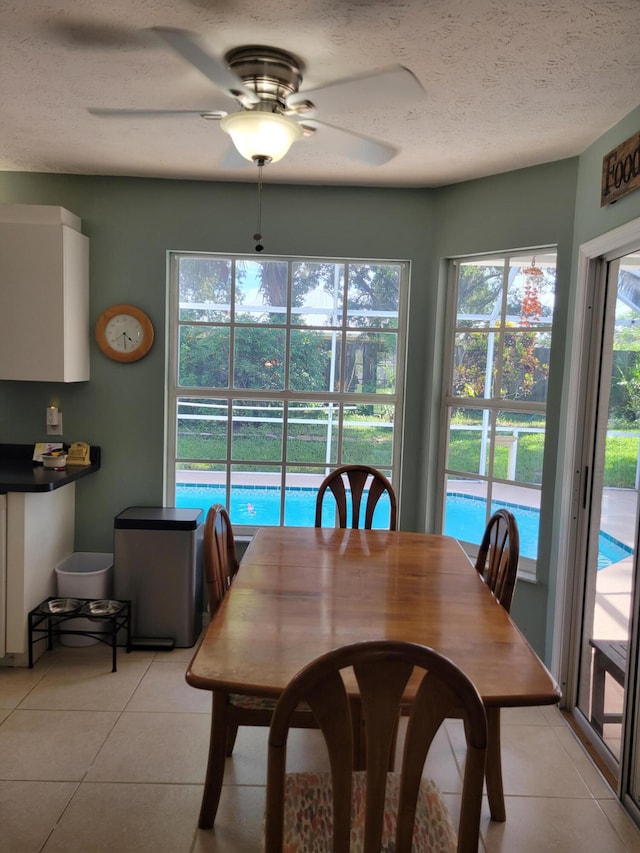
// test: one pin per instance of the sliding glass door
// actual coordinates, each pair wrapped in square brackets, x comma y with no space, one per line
[610,520]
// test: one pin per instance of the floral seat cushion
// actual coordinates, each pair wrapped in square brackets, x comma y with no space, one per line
[308,815]
[262,703]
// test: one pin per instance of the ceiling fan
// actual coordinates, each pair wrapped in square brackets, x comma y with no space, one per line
[273,111]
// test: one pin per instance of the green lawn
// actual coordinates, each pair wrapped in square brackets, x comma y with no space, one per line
[307,447]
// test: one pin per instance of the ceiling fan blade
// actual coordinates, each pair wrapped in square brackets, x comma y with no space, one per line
[390,85]
[363,148]
[186,45]
[115,113]
[82,32]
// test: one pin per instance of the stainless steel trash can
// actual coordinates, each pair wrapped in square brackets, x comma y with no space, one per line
[157,565]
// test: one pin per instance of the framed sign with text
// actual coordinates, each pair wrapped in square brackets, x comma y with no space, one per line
[621,170]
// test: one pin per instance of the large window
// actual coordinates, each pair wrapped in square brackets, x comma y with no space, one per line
[280,370]
[495,393]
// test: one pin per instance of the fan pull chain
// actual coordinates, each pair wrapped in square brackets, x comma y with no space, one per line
[258,235]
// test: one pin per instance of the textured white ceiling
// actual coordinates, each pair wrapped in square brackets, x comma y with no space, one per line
[507,84]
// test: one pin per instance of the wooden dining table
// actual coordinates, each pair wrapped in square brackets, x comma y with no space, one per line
[301,592]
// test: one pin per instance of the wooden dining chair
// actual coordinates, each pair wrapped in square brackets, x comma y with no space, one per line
[356,479]
[374,810]
[229,710]
[497,560]
[219,555]
[497,564]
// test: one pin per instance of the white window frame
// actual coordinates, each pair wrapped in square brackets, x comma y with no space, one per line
[174,392]
[527,567]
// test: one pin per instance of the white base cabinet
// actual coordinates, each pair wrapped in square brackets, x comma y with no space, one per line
[40,534]
[44,294]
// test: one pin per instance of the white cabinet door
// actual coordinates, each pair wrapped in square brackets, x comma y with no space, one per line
[44,296]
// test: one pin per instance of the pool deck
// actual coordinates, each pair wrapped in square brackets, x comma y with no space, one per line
[614,584]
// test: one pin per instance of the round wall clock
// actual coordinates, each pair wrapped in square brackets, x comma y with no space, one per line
[124,333]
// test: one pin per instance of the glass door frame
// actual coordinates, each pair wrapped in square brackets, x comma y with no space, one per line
[570,586]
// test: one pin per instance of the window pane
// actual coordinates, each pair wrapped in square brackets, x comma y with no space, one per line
[317,294]
[257,430]
[465,512]
[312,433]
[300,498]
[525,366]
[370,363]
[204,289]
[519,447]
[201,428]
[479,293]
[203,357]
[315,360]
[368,435]
[261,292]
[255,495]
[469,432]
[199,486]
[525,505]
[531,290]
[373,295]
[474,364]
[259,358]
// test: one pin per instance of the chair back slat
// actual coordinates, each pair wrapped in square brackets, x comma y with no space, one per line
[499,554]
[379,718]
[354,478]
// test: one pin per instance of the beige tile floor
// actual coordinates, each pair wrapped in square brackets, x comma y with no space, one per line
[94,761]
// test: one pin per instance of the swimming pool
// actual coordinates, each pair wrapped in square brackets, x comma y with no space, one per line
[464,518]
[260,505]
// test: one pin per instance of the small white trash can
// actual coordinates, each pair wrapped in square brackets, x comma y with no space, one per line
[84,574]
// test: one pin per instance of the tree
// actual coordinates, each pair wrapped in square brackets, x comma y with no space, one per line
[522,369]
[478,288]
[205,285]
[206,294]
[373,287]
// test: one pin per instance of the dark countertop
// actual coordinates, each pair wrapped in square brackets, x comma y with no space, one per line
[19,474]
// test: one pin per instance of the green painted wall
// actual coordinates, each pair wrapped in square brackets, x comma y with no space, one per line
[132,224]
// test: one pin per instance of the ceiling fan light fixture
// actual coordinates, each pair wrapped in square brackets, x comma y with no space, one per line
[261,136]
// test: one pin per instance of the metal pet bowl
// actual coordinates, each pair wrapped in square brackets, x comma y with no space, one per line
[101,607]
[60,606]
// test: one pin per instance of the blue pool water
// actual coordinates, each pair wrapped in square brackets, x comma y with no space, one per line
[465,516]
[465,519]
[260,505]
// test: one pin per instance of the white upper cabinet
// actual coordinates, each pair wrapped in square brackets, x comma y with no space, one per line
[44,294]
